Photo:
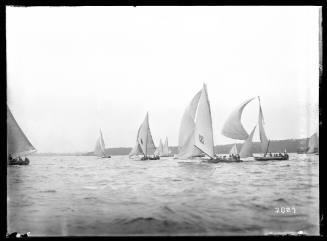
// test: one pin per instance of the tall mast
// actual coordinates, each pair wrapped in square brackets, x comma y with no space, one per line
[147,133]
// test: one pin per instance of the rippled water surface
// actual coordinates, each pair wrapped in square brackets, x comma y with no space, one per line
[79,195]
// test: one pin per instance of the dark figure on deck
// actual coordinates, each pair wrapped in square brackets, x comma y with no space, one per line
[270,154]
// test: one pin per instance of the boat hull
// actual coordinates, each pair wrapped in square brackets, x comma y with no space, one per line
[18,162]
[222,160]
[150,158]
[271,158]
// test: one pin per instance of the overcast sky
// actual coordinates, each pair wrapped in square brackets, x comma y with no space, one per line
[73,70]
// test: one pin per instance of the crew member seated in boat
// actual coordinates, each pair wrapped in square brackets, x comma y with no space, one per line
[285,154]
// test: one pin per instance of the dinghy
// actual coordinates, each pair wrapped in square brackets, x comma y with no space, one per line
[17,143]
[144,143]
[264,142]
[100,148]
[313,146]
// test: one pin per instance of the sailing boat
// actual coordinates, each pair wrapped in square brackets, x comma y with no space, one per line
[100,148]
[234,129]
[144,142]
[313,147]
[165,149]
[159,150]
[265,142]
[17,143]
[196,134]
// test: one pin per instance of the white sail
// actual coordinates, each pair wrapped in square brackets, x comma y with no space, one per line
[165,150]
[136,150]
[159,149]
[17,142]
[144,138]
[313,144]
[233,150]
[100,149]
[186,131]
[233,127]
[247,147]
[263,138]
[203,125]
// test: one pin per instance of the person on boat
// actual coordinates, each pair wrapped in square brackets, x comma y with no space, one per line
[285,154]
[10,157]
[270,154]
[26,159]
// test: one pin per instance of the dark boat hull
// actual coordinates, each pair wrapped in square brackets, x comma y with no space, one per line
[150,158]
[271,158]
[18,162]
[222,160]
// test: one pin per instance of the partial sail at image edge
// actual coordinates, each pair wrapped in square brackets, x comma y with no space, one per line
[17,142]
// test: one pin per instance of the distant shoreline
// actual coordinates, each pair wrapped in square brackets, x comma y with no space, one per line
[291,146]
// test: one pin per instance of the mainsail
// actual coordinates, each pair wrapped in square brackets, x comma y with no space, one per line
[263,138]
[233,150]
[247,147]
[313,144]
[144,142]
[17,142]
[233,127]
[195,135]
[203,125]
[100,149]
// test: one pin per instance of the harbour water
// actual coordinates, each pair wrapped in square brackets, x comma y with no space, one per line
[85,195]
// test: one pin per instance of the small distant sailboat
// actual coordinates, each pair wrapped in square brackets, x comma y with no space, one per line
[144,142]
[313,146]
[265,142]
[100,148]
[159,150]
[165,152]
[17,143]
[196,134]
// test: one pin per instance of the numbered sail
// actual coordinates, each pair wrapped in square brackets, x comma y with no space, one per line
[145,138]
[247,147]
[233,127]
[233,150]
[313,144]
[203,125]
[186,131]
[17,142]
